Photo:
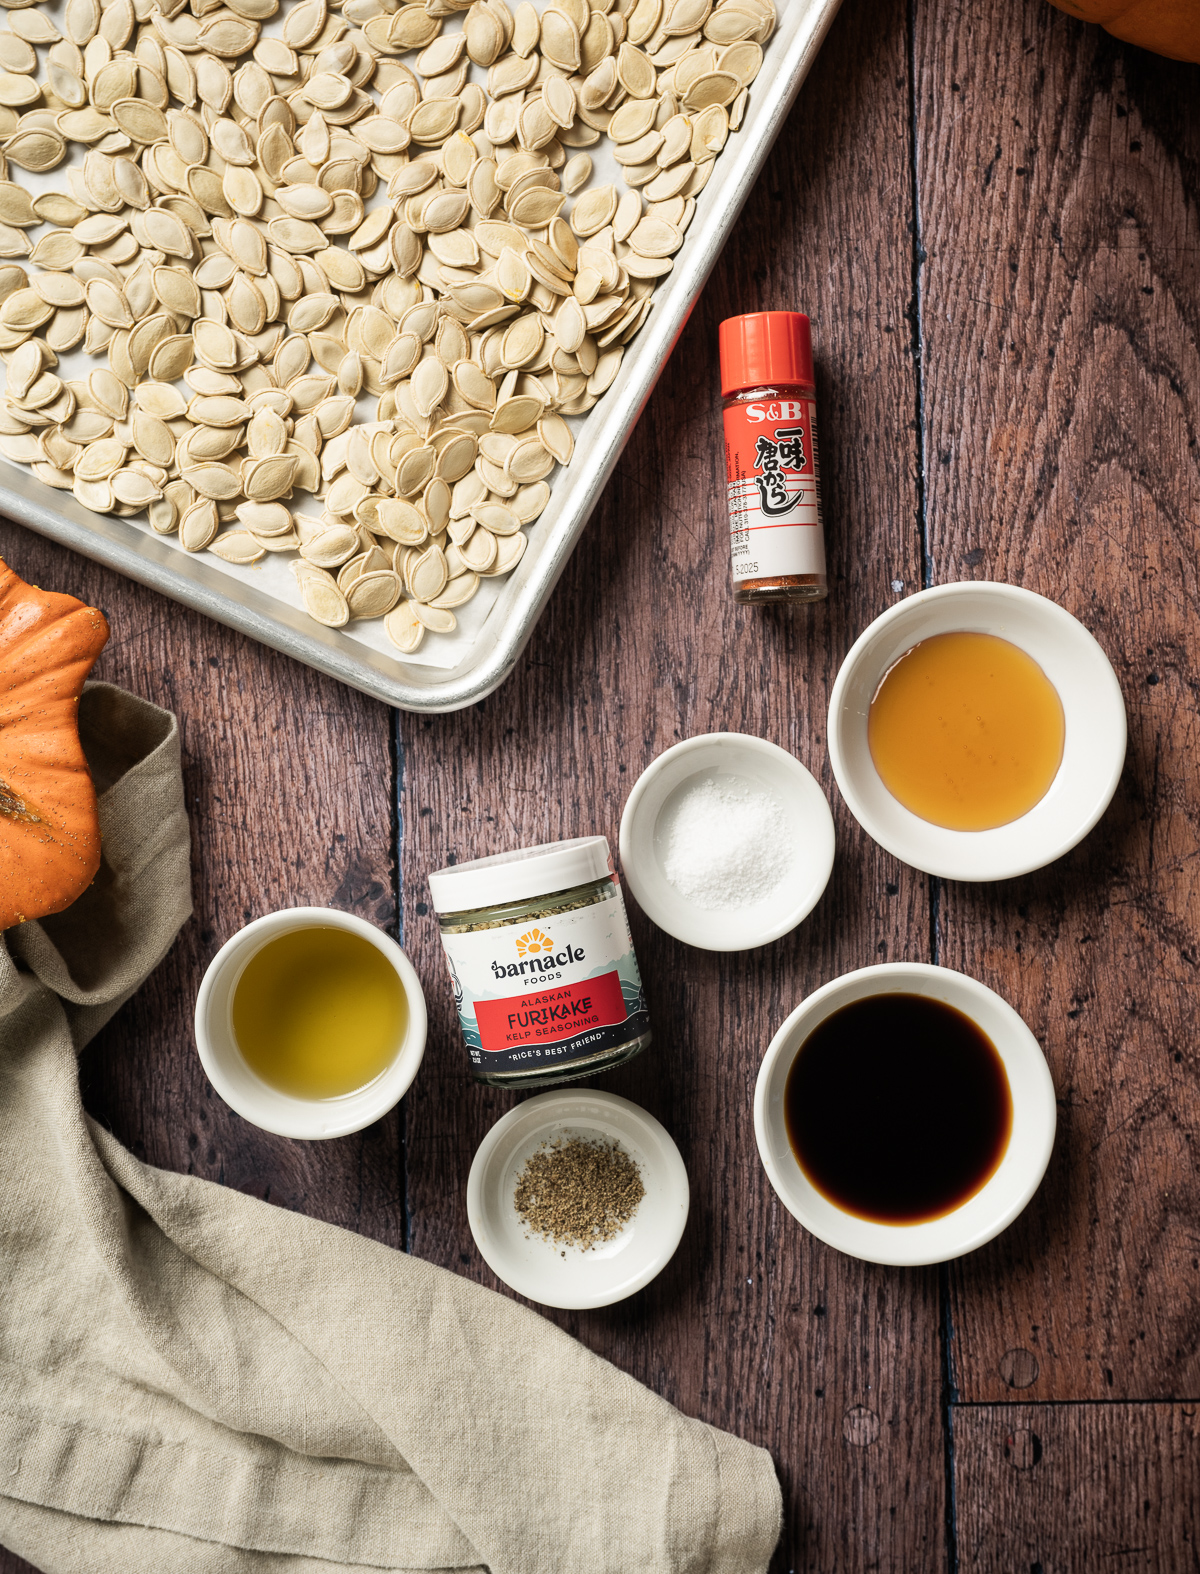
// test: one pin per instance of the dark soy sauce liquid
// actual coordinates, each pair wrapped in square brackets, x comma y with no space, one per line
[898,1108]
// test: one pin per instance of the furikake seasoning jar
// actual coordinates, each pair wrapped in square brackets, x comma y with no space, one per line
[541,958]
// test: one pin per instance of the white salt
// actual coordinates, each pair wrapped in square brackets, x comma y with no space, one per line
[728,843]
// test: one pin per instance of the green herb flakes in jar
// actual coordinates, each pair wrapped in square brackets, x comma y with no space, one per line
[540,955]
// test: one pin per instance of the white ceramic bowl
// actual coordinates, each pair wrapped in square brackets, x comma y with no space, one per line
[247,1093]
[1093,750]
[535,1267]
[999,1200]
[645,828]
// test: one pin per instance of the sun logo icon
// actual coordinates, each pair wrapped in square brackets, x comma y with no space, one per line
[534,943]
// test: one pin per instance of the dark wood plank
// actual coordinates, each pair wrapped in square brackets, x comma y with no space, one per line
[754,1326]
[1058,1489]
[287,777]
[1061,213]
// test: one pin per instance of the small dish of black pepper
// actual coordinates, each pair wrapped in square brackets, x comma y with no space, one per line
[577,1198]
[578,1191]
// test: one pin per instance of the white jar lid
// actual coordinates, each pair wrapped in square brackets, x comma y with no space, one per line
[520,875]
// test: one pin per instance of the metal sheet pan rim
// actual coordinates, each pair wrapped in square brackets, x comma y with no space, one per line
[131,551]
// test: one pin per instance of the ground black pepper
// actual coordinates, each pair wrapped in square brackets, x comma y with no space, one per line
[577,1191]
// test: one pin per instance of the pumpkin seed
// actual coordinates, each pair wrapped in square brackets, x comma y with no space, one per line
[37,149]
[654,237]
[530,501]
[742,60]
[141,122]
[661,188]
[635,72]
[714,87]
[330,547]
[265,519]
[403,627]
[555,436]
[373,594]
[34,27]
[171,357]
[529,461]
[434,120]
[163,516]
[576,173]
[478,552]
[534,207]
[436,619]
[428,574]
[402,522]
[456,458]
[264,480]
[595,209]
[730,23]
[509,552]
[459,590]
[213,480]
[429,383]
[323,601]
[153,439]
[215,344]
[81,21]
[496,518]
[198,526]
[639,267]
[237,546]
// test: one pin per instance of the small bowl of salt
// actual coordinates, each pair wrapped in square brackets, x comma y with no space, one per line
[727,841]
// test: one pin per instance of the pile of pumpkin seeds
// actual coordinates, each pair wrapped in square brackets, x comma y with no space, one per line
[259,226]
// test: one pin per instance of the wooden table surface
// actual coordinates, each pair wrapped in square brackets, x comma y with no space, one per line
[992,215]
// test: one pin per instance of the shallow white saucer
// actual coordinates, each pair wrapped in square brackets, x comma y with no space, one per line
[1093,750]
[729,757]
[563,1275]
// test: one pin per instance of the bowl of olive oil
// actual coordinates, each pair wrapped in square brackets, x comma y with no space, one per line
[311,1023]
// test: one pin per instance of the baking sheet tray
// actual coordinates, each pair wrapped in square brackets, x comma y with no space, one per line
[263,604]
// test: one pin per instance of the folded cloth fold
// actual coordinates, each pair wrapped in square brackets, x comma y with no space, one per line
[194,1380]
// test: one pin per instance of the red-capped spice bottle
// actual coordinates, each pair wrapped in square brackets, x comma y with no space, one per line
[777,536]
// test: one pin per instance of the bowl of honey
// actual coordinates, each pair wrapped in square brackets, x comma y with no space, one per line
[311,1022]
[905,1114]
[977,731]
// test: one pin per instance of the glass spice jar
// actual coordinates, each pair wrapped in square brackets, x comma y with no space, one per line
[769,399]
[545,979]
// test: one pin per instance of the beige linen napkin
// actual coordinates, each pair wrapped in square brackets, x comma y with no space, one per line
[194,1381]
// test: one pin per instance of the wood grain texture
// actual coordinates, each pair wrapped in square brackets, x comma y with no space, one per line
[1059,1489]
[1060,195]
[286,775]
[754,1326]
[1059,309]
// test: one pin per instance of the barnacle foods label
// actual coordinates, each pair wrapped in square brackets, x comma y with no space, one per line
[774,489]
[540,994]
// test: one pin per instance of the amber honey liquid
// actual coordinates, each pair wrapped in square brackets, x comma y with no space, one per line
[319,1013]
[898,1108]
[967,731]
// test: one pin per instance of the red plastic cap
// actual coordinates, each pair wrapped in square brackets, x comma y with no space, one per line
[765,350]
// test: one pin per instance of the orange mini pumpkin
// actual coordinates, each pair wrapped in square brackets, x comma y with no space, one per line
[49,830]
[1168,27]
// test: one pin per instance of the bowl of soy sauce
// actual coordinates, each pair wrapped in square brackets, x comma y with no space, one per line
[904,1114]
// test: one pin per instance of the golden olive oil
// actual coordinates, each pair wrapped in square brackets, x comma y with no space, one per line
[319,1013]
[967,731]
